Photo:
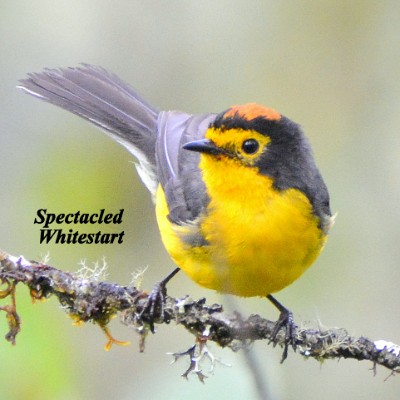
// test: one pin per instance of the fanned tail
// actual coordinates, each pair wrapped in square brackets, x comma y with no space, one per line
[105,100]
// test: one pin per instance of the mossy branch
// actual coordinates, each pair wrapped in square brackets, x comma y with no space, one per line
[88,299]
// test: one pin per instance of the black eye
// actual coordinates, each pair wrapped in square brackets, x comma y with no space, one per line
[250,146]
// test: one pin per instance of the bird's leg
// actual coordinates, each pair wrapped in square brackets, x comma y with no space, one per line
[155,304]
[285,321]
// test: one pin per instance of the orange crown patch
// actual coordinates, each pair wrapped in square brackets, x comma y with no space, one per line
[252,110]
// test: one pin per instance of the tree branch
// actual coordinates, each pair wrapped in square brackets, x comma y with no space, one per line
[86,298]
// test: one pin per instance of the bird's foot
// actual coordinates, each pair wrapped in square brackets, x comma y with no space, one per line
[286,322]
[154,307]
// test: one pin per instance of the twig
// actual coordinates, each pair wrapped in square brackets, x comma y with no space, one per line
[88,299]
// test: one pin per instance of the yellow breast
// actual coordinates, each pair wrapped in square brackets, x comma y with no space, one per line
[259,239]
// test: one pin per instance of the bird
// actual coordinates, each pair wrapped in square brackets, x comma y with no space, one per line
[240,203]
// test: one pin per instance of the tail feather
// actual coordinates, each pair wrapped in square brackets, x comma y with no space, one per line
[106,101]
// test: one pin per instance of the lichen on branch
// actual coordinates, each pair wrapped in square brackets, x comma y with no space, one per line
[88,299]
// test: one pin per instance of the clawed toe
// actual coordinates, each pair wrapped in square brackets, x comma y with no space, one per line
[285,321]
[154,308]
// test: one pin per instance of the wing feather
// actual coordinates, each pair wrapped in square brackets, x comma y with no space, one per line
[178,169]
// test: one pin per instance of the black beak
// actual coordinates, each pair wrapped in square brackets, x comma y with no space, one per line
[204,146]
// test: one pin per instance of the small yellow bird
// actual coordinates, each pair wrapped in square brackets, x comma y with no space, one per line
[240,203]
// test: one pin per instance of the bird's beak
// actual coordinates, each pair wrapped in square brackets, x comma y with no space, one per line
[204,146]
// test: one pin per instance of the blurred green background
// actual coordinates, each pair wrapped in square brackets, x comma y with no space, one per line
[333,66]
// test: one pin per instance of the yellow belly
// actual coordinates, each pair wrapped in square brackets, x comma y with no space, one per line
[259,239]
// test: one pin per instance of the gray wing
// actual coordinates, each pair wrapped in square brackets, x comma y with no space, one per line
[178,169]
[106,101]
